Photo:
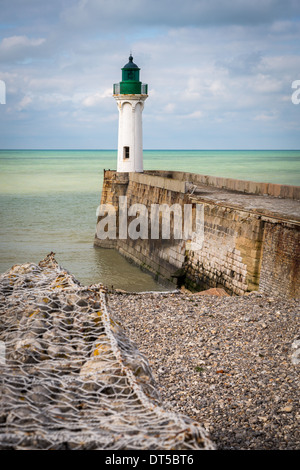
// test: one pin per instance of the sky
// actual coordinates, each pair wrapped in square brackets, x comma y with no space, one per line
[219,73]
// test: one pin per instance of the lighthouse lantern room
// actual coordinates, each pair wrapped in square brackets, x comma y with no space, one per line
[130,95]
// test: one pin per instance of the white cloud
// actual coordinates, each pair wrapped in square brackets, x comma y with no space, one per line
[96,98]
[193,115]
[271,116]
[169,108]
[24,103]
[19,41]
[266,84]
[19,47]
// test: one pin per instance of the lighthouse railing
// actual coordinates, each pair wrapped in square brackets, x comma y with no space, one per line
[144,89]
[116,88]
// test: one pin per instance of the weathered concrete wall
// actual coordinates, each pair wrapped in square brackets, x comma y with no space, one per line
[162,258]
[231,252]
[243,250]
[280,268]
[231,184]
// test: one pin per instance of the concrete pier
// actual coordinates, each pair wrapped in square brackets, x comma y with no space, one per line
[251,231]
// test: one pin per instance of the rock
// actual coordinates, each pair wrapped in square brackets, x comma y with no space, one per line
[296,354]
[98,373]
[213,291]
[286,409]
[28,350]
[296,357]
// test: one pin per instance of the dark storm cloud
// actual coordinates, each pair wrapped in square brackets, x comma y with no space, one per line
[115,13]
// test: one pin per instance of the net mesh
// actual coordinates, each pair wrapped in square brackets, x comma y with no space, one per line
[70,378]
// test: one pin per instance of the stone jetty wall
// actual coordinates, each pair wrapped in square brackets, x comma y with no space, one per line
[280,270]
[251,187]
[243,249]
[231,252]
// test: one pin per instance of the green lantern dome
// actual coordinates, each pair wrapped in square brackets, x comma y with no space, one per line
[130,84]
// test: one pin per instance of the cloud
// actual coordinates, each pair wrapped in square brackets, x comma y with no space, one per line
[96,98]
[193,115]
[19,47]
[25,101]
[266,117]
[207,64]
[14,42]
[112,13]
[243,63]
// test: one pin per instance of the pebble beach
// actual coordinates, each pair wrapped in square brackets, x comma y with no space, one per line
[230,363]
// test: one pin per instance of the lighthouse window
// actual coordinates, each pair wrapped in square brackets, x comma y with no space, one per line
[130,75]
[126,152]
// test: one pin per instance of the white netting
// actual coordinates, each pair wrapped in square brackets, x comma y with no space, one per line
[70,379]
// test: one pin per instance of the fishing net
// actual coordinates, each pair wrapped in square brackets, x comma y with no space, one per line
[70,378]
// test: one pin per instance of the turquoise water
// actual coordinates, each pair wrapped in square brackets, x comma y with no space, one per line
[48,202]
[268,166]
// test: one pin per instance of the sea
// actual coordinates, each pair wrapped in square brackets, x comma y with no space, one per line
[49,199]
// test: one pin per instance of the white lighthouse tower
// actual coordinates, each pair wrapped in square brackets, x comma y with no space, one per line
[130,95]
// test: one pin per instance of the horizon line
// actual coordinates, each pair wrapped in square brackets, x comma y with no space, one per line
[157,149]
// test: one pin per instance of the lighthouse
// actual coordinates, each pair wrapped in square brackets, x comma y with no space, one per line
[130,95]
